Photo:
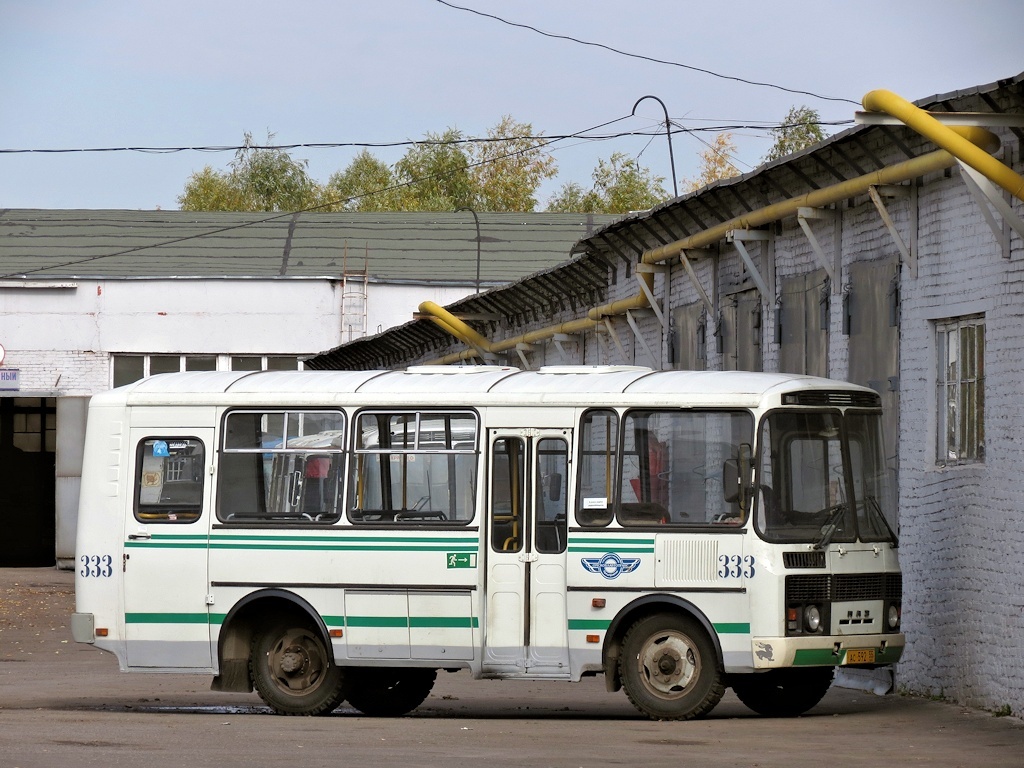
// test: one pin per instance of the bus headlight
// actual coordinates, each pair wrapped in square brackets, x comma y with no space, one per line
[893,616]
[812,618]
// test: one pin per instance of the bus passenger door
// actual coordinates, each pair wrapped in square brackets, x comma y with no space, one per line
[167,524]
[526,624]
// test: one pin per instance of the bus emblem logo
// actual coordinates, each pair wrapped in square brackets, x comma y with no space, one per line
[610,565]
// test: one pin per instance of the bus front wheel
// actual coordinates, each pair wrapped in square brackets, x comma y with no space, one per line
[292,671]
[389,692]
[669,668]
[783,692]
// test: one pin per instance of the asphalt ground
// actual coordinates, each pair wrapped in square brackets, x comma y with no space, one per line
[65,704]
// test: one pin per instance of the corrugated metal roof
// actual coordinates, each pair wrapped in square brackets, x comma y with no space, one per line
[390,247]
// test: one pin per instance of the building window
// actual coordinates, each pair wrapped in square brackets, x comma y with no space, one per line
[129,368]
[960,396]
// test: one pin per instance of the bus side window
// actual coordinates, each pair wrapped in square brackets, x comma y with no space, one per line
[281,466]
[508,490]
[169,480]
[598,460]
[413,467]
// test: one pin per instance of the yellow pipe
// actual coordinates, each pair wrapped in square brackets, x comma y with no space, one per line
[981,139]
[819,198]
[455,326]
[922,122]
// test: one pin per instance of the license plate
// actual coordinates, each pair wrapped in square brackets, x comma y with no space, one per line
[860,656]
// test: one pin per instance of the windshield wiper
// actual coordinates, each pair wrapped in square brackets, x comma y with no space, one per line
[828,530]
[872,504]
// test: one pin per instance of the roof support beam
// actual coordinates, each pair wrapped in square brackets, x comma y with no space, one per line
[521,350]
[563,338]
[737,237]
[653,269]
[640,337]
[802,217]
[684,259]
[606,324]
[909,257]
[984,190]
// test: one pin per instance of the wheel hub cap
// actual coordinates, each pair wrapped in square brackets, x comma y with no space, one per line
[292,660]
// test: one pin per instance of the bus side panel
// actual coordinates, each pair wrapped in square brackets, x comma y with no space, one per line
[396,594]
[99,547]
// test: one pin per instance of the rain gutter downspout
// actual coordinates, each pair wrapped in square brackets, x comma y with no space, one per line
[919,120]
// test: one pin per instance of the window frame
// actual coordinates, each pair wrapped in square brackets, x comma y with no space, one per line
[338,467]
[408,517]
[190,513]
[961,391]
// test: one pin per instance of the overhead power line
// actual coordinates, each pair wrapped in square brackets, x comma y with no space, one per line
[645,58]
[676,129]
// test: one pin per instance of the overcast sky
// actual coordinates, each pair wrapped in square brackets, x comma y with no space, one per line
[114,73]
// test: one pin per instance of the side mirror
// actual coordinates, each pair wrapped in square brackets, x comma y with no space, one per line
[730,481]
[736,477]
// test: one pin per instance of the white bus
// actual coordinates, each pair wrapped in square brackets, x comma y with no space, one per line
[339,536]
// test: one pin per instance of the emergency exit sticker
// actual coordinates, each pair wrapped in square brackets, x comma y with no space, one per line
[462,559]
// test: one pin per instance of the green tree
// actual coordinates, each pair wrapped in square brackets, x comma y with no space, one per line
[715,163]
[257,180]
[800,129]
[366,184]
[507,171]
[620,185]
[435,174]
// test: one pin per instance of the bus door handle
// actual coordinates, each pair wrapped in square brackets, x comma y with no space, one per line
[139,536]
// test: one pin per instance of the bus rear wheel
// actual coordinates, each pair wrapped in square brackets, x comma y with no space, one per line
[783,692]
[292,671]
[389,692]
[669,668]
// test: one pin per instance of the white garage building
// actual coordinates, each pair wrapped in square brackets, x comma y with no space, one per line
[94,299]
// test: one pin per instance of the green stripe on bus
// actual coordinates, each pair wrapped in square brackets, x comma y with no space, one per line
[725,628]
[377,621]
[415,622]
[604,542]
[349,539]
[419,622]
[444,622]
[297,547]
[325,547]
[167,618]
[633,550]
[732,628]
[601,624]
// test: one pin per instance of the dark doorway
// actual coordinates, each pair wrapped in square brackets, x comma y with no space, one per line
[28,432]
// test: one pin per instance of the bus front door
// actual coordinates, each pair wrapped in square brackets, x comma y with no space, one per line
[526,630]
[166,582]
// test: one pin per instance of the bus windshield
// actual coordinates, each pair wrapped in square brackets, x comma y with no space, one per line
[822,478]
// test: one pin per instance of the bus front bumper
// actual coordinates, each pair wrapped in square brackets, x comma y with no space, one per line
[834,650]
